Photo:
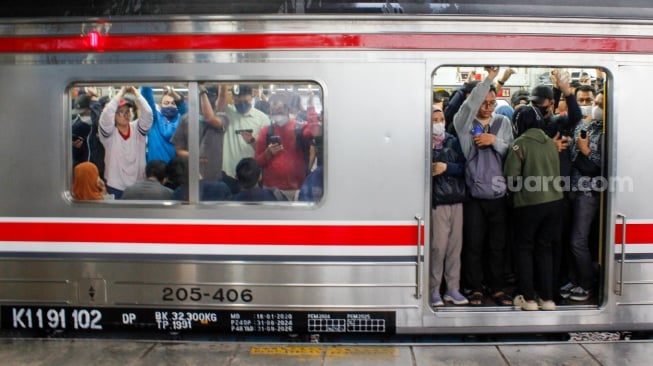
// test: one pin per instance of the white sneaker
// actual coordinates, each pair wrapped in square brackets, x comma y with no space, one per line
[521,302]
[546,304]
[565,290]
[579,294]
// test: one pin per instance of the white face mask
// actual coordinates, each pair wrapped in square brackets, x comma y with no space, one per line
[438,129]
[85,119]
[280,119]
[586,110]
[597,114]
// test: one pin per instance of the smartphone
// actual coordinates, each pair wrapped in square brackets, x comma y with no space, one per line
[274,140]
[583,134]
[245,130]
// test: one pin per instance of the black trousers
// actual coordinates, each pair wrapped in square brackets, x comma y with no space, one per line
[484,243]
[537,239]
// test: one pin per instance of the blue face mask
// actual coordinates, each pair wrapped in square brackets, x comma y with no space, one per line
[169,112]
[242,107]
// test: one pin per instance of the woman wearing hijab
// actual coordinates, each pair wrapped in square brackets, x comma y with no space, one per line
[87,185]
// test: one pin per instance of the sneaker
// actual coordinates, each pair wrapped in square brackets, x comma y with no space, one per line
[579,294]
[546,304]
[565,290]
[521,302]
[456,297]
[436,300]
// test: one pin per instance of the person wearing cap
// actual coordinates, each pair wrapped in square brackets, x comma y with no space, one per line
[561,129]
[124,140]
[533,157]
[519,98]
[485,217]
[165,122]
[242,127]
[86,143]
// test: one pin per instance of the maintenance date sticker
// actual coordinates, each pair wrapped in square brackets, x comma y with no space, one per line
[193,320]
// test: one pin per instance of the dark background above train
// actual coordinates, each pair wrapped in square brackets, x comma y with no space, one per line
[642,9]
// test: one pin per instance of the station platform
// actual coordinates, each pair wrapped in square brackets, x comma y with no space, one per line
[46,352]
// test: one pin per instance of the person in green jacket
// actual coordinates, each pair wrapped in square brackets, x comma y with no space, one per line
[532,169]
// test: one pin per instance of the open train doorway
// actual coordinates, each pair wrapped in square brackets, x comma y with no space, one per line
[519,188]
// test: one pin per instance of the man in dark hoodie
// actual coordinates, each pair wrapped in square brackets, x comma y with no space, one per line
[532,169]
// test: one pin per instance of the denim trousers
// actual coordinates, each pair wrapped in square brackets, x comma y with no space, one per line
[585,208]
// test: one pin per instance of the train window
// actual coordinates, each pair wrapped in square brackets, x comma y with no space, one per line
[548,155]
[248,141]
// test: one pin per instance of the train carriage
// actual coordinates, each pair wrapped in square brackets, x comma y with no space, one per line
[355,261]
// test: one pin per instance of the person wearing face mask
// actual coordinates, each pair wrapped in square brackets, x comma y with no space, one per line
[86,143]
[281,147]
[586,177]
[165,123]
[585,95]
[244,123]
[124,139]
[448,195]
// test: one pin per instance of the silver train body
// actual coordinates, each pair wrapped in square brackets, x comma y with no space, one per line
[357,260]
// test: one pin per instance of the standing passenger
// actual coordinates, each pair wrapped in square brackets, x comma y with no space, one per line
[165,122]
[484,141]
[124,140]
[282,148]
[448,185]
[586,153]
[533,158]
[243,126]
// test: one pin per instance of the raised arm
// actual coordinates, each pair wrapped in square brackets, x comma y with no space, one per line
[210,117]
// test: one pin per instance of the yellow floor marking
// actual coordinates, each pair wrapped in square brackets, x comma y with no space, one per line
[319,350]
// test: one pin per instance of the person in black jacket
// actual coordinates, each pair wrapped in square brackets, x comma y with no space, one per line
[86,143]
[448,193]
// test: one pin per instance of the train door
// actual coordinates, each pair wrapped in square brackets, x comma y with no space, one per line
[566,110]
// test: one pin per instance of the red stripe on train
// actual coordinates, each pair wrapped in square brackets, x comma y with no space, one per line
[209,234]
[242,234]
[635,233]
[95,42]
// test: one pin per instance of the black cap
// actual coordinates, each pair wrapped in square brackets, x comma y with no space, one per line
[519,96]
[82,103]
[540,93]
[240,90]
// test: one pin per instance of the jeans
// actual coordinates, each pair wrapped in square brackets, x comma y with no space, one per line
[585,208]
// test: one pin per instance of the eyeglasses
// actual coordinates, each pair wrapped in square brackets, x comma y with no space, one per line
[488,104]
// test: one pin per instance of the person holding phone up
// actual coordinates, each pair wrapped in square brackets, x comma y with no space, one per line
[281,147]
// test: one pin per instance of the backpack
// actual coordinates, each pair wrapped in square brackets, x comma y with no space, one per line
[484,169]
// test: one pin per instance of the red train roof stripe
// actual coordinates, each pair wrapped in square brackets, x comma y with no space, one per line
[199,42]
[209,234]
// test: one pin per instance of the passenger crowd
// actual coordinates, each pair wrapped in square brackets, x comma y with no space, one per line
[515,186]
[252,146]
[516,189]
